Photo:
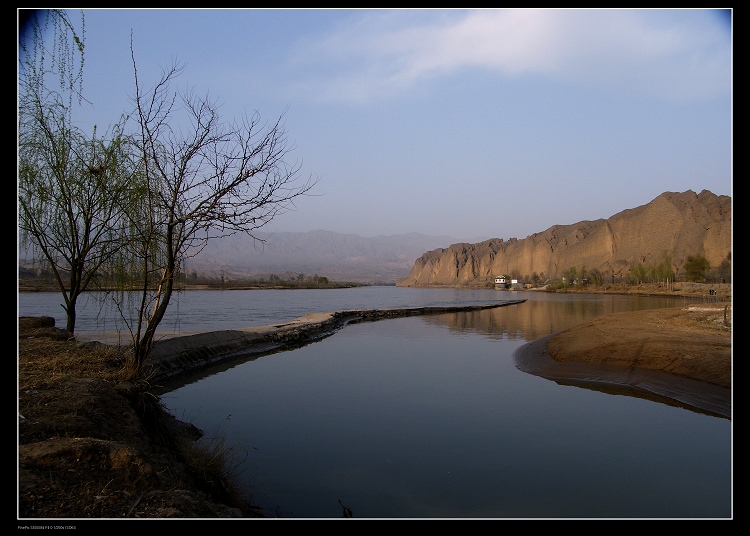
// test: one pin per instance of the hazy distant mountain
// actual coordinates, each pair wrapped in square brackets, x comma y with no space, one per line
[339,257]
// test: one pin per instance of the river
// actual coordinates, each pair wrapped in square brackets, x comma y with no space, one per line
[428,417]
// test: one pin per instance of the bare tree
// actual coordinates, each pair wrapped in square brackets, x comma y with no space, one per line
[203,178]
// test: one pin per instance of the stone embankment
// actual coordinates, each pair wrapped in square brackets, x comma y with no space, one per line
[174,356]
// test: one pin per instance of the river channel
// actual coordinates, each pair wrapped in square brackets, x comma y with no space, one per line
[428,416]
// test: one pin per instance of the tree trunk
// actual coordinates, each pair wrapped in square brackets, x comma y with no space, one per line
[164,293]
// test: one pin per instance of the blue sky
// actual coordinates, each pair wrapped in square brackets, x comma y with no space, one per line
[468,123]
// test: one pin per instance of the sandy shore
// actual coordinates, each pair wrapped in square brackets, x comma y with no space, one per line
[679,356]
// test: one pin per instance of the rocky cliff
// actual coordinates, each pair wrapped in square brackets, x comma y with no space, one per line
[677,224]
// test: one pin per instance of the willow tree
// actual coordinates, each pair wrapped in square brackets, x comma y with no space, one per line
[69,183]
[202,178]
[69,188]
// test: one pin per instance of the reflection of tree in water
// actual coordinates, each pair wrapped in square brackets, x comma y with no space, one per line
[537,318]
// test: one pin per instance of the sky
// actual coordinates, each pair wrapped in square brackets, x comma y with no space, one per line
[472,123]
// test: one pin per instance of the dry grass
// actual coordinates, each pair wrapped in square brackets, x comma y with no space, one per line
[217,465]
[94,442]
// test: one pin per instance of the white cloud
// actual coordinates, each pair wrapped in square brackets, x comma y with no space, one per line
[669,54]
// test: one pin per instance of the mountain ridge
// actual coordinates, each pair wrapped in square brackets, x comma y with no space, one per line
[381,259]
[679,224]
[674,223]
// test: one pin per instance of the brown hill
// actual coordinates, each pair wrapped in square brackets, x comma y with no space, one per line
[677,224]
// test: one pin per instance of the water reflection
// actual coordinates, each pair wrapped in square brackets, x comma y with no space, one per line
[535,320]
[428,417]
[540,316]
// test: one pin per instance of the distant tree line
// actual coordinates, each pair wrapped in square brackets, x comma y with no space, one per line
[695,269]
[270,281]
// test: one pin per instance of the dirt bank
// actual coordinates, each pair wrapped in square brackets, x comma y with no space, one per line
[678,355]
[690,341]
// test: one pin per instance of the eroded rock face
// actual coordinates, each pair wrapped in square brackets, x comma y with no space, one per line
[676,224]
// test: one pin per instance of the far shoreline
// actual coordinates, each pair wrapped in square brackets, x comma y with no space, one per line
[721,291]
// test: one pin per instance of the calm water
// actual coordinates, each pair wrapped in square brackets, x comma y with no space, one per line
[426,417]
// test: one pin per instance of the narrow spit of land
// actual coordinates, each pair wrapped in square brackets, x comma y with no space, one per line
[176,354]
[95,442]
